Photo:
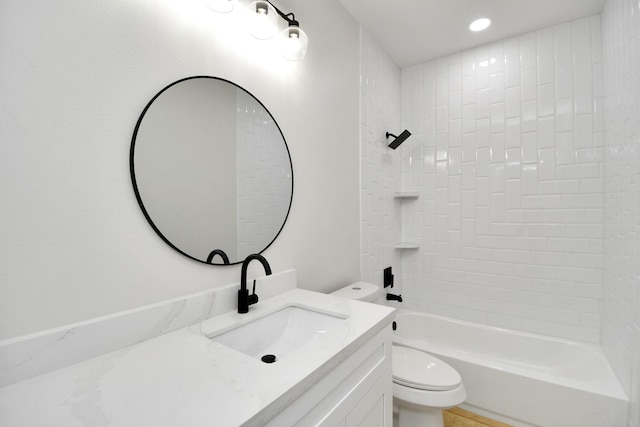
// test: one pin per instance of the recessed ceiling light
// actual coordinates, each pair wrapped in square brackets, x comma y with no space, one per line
[480,24]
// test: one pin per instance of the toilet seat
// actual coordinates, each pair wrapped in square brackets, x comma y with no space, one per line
[419,370]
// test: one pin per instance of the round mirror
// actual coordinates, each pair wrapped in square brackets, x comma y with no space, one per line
[211,170]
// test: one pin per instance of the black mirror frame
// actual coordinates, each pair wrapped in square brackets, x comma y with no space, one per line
[137,192]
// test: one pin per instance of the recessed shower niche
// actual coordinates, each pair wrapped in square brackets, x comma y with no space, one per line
[211,170]
[402,197]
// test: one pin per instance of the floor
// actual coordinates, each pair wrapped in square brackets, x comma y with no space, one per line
[456,417]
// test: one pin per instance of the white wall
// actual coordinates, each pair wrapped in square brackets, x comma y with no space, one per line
[621,298]
[75,77]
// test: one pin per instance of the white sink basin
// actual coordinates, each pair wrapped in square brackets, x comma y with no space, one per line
[277,334]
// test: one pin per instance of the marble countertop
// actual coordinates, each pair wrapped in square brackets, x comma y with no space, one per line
[183,378]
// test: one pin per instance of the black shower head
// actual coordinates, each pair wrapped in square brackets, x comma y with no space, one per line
[397,140]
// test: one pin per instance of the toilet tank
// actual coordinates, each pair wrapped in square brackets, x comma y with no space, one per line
[362,291]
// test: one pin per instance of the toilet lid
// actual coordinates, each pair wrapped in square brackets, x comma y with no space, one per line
[417,369]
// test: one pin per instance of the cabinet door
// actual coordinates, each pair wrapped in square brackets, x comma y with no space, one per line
[358,389]
[376,407]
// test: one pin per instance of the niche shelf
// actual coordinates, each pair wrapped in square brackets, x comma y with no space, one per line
[406,245]
[406,195]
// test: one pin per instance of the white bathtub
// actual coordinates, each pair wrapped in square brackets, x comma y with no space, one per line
[520,378]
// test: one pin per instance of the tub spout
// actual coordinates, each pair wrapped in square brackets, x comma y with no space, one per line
[393,297]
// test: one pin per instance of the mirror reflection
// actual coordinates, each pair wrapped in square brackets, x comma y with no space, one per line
[211,170]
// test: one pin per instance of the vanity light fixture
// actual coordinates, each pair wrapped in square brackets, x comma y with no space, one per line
[263,25]
[480,24]
[264,21]
[293,40]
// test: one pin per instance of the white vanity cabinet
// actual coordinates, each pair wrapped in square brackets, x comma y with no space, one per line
[358,392]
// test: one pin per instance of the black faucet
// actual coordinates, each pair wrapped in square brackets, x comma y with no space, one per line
[220,252]
[244,299]
[393,297]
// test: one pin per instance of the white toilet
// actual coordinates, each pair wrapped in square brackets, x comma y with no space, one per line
[423,385]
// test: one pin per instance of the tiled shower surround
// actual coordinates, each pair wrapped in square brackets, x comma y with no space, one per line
[525,157]
[506,156]
[621,297]
[380,167]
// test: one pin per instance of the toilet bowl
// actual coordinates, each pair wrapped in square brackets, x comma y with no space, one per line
[423,385]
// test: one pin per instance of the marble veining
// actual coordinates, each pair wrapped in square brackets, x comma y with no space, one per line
[183,378]
[31,355]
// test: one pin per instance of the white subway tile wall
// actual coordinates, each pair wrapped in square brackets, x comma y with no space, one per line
[507,157]
[380,165]
[526,219]
[508,160]
[621,299]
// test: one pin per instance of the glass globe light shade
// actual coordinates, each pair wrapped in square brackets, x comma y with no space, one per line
[294,43]
[264,20]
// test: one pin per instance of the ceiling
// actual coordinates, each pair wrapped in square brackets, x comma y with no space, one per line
[414,31]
